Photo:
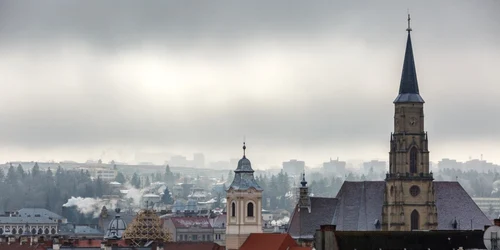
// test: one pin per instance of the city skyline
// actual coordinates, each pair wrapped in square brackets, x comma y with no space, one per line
[312,82]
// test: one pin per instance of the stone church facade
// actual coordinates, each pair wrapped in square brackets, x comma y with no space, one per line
[409,202]
[409,198]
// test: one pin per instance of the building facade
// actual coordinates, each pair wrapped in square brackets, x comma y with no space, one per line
[244,205]
[409,196]
[294,167]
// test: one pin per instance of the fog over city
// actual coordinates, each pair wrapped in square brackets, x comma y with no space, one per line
[298,79]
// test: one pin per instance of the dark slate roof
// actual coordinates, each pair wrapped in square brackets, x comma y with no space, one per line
[360,205]
[304,224]
[243,176]
[32,212]
[27,220]
[408,87]
[452,202]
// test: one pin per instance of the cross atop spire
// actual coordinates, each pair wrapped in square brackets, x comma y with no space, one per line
[244,149]
[409,22]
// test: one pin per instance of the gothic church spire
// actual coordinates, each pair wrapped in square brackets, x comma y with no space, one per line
[408,87]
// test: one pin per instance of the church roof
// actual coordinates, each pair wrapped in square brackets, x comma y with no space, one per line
[358,206]
[408,87]
[453,202]
[304,224]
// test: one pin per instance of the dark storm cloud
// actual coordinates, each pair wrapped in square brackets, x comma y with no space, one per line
[318,75]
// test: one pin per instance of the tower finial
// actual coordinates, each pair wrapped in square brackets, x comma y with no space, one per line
[244,149]
[303,182]
[409,22]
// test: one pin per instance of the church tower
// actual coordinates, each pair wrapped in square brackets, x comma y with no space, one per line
[244,205]
[409,192]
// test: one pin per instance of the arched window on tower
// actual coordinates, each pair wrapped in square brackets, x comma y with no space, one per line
[415,218]
[250,209]
[233,209]
[413,160]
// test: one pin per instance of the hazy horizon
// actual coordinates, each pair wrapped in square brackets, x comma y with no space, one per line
[299,80]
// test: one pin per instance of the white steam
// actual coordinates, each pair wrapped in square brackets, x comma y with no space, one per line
[93,206]
[280,222]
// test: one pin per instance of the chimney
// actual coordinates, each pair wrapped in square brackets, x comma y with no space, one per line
[496,222]
[326,238]
[55,244]
[160,246]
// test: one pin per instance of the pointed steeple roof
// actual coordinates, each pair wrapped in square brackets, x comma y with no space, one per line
[408,87]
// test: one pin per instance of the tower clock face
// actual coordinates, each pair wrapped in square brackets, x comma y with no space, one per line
[413,121]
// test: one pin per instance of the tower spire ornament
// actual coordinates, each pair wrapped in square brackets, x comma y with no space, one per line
[409,22]
[244,149]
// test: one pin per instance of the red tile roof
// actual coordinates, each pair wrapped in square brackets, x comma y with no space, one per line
[193,246]
[267,241]
[17,246]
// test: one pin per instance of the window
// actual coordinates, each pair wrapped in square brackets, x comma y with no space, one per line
[233,209]
[40,231]
[413,160]
[208,237]
[195,237]
[414,191]
[33,231]
[14,231]
[53,231]
[179,238]
[415,217]
[250,209]
[46,231]
[203,237]
[185,237]
[20,231]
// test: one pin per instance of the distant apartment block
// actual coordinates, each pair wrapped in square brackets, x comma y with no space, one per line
[293,167]
[476,164]
[375,165]
[101,172]
[199,160]
[178,161]
[489,205]
[334,166]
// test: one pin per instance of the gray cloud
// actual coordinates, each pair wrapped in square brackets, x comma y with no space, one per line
[299,79]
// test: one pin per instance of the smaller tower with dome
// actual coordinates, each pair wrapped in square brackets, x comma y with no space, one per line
[116,227]
[244,205]
[304,200]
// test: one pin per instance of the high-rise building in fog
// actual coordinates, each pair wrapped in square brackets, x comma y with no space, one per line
[294,167]
[178,161]
[335,166]
[199,160]
[375,166]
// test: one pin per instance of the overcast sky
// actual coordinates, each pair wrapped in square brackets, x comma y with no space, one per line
[300,79]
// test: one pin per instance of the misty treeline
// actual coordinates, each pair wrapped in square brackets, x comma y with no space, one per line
[477,184]
[167,177]
[33,188]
